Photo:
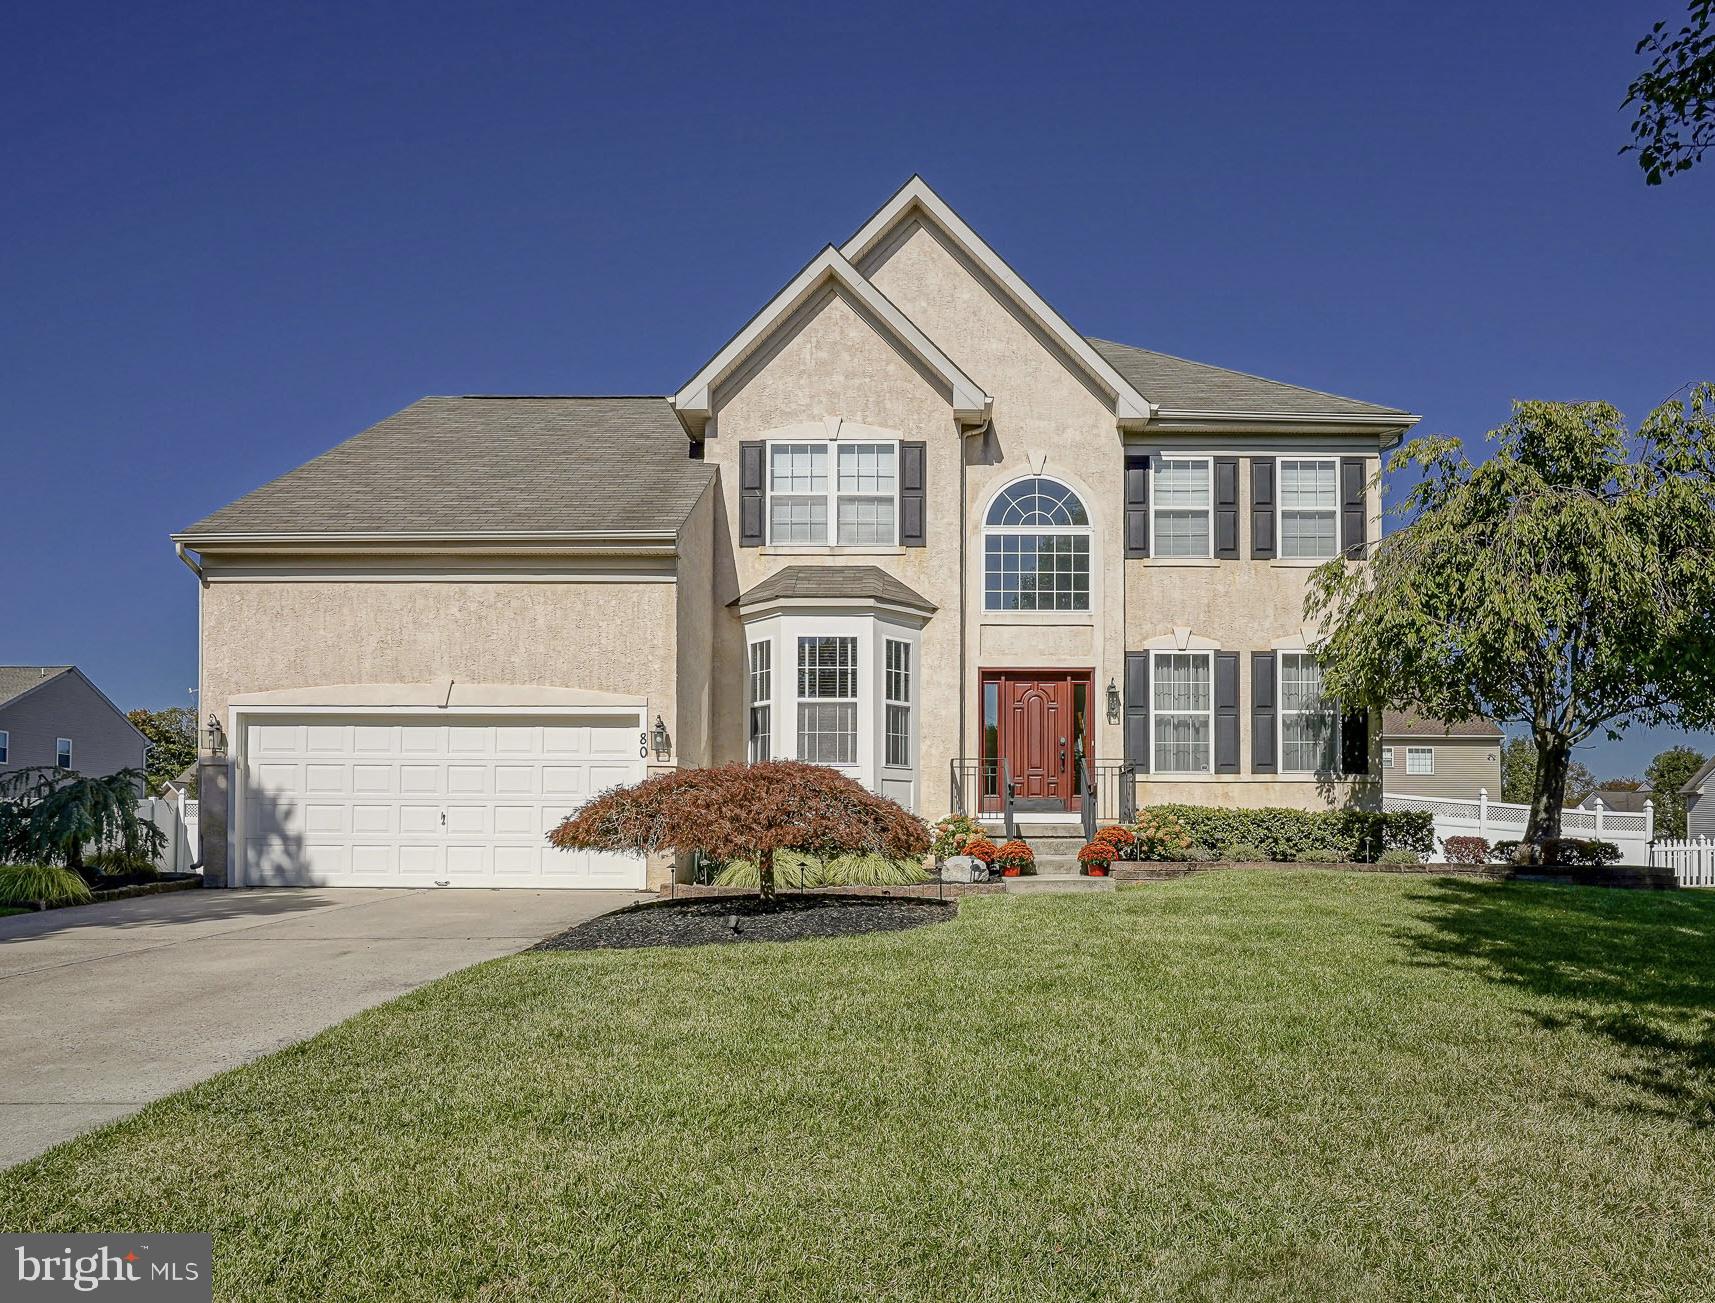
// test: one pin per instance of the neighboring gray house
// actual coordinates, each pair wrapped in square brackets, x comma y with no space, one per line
[1699,805]
[1422,757]
[1618,800]
[53,715]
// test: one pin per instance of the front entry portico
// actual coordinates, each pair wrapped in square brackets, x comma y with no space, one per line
[1036,729]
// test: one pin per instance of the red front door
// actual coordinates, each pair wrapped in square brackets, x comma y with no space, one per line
[1038,722]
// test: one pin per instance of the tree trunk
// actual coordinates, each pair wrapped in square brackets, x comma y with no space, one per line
[1548,793]
[765,874]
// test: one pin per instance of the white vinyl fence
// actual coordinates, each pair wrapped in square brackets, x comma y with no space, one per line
[177,818]
[1500,821]
[1692,862]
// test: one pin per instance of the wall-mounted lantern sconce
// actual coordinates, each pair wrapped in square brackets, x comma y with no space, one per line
[661,739]
[215,737]
[1113,701]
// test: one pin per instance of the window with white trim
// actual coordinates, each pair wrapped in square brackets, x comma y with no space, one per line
[1309,721]
[897,678]
[62,752]
[827,700]
[1387,757]
[1036,549]
[1182,701]
[1309,508]
[1181,507]
[761,701]
[5,746]
[822,493]
[1420,760]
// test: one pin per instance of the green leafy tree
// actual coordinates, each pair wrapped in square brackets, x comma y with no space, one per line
[1518,774]
[1563,585]
[1675,95]
[1666,774]
[172,735]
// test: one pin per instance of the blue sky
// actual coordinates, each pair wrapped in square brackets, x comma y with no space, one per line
[230,238]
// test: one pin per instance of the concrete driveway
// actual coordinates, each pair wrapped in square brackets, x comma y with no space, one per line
[106,1007]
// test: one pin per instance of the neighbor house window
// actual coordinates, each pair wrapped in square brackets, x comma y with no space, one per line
[1309,722]
[898,694]
[833,493]
[1309,508]
[761,701]
[827,700]
[1420,760]
[62,752]
[5,746]
[1036,549]
[1183,712]
[1181,507]
[1387,757]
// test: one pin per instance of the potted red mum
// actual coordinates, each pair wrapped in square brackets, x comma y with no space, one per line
[1096,857]
[1015,858]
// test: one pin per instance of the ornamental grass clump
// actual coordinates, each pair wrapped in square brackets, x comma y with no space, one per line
[41,884]
[745,812]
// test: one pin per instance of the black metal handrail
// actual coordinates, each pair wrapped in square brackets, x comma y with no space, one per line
[983,788]
[1088,806]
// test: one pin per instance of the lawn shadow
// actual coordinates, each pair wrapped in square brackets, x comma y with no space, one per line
[1634,968]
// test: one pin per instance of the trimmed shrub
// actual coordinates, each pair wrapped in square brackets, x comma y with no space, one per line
[1320,857]
[120,863]
[1283,834]
[1399,857]
[47,884]
[1504,852]
[1466,850]
[1159,835]
[952,834]
[1244,853]
[1196,855]
[1588,851]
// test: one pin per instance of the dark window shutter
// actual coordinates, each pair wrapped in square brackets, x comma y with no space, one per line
[1226,712]
[1137,506]
[1262,508]
[1137,710]
[1355,741]
[913,456]
[1262,713]
[1227,508]
[752,492]
[1353,522]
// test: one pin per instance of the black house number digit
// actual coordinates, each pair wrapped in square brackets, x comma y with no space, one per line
[643,746]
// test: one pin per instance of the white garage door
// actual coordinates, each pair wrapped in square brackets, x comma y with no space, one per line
[353,801]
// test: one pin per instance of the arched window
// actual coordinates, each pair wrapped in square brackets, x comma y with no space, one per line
[1036,549]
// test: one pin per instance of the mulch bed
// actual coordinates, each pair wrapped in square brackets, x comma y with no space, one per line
[711,922]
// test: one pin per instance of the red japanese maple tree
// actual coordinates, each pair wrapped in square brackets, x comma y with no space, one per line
[745,812]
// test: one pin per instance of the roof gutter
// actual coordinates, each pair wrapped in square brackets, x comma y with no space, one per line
[189,560]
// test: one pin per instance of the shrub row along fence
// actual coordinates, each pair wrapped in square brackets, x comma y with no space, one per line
[1497,821]
[1692,862]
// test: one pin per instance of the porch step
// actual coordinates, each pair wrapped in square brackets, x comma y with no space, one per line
[1042,882]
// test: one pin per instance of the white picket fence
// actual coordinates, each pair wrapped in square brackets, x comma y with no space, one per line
[1499,821]
[1692,862]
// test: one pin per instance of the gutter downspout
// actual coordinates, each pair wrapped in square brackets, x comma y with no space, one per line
[185,556]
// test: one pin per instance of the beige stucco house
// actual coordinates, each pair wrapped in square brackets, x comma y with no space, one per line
[908,522]
[1423,757]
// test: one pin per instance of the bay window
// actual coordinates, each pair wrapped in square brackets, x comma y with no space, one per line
[1183,712]
[761,723]
[1309,721]
[826,493]
[1182,507]
[897,692]
[827,700]
[1309,508]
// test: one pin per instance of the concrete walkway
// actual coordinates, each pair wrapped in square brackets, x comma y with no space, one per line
[106,1007]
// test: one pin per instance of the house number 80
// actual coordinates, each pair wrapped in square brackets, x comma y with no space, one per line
[643,746]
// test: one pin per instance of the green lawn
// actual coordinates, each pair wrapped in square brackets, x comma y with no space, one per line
[1263,1086]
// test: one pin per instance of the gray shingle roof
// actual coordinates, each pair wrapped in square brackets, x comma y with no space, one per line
[16,680]
[1399,723]
[1180,385]
[1699,778]
[487,465]
[861,582]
